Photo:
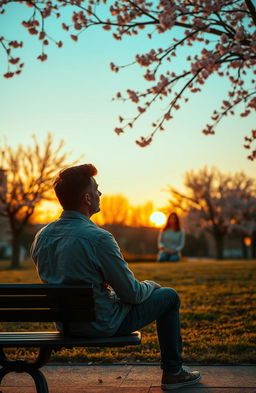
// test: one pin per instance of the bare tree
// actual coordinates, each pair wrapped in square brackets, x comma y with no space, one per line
[216,202]
[114,210]
[117,210]
[28,174]
[222,34]
[140,215]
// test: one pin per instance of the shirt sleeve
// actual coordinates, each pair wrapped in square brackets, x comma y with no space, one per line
[117,274]
[182,241]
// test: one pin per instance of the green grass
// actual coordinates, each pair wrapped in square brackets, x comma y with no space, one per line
[217,313]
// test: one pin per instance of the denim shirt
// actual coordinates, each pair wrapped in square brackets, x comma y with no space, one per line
[73,250]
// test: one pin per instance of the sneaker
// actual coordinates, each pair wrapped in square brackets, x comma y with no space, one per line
[184,378]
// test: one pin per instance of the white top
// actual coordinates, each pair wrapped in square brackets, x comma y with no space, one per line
[173,241]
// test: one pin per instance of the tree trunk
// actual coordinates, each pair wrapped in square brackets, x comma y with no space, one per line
[219,242]
[15,262]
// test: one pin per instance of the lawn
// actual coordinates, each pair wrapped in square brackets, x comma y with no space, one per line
[217,313]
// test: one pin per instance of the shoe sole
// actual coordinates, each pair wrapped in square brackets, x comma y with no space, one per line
[179,385]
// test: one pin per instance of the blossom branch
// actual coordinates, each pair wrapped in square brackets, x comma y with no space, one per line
[252,9]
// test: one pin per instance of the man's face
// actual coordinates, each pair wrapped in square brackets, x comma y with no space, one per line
[94,197]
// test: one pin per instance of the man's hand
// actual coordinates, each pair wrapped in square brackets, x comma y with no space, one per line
[155,284]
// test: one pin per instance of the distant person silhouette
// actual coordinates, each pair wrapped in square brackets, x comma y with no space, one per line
[171,240]
[74,250]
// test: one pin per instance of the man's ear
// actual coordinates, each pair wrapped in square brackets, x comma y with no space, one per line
[87,199]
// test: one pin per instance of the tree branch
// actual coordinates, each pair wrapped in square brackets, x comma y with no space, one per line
[252,10]
[143,11]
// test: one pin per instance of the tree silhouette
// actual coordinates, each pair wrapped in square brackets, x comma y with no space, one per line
[114,210]
[216,202]
[27,175]
[140,215]
[222,34]
[117,210]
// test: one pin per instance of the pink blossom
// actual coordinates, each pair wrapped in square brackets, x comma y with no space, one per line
[42,35]
[113,67]
[149,76]
[8,75]
[252,103]
[218,41]
[32,31]
[65,27]
[74,37]
[240,34]
[132,95]
[143,142]
[42,57]
[140,109]
[167,21]
[14,61]
[224,38]
[118,131]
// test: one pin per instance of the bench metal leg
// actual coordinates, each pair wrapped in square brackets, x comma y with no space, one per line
[42,357]
[22,366]
[39,379]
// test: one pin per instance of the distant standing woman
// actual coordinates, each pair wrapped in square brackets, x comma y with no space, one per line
[171,240]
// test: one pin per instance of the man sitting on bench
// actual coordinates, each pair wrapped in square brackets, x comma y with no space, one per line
[74,250]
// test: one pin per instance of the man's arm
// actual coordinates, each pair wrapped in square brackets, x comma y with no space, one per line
[118,275]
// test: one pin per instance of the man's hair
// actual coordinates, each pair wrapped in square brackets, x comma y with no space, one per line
[71,184]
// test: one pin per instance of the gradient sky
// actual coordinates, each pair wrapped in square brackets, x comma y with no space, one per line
[70,95]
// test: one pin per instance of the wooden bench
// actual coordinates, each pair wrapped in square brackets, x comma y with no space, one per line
[48,303]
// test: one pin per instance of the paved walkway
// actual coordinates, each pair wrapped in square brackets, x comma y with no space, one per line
[79,378]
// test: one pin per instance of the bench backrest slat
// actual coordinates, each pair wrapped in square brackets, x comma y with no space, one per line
[42,289]
[50,315]
[46,303]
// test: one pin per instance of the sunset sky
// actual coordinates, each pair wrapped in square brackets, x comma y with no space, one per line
[70,95]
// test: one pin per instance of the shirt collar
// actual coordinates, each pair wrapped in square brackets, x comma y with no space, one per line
[73,214]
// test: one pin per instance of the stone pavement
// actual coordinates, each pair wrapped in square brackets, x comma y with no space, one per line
[143,378]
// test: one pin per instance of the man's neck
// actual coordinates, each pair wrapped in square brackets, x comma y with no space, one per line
[85,212]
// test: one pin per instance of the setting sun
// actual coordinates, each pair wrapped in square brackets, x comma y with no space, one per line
[158,218]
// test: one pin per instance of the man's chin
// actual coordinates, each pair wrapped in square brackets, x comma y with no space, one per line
[94,212]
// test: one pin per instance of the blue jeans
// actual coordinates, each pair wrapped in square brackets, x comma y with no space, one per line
[162,306]
[165,257]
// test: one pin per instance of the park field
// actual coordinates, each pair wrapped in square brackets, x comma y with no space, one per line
[218,307]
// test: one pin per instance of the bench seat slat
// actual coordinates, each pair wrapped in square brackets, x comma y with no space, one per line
[57,340]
